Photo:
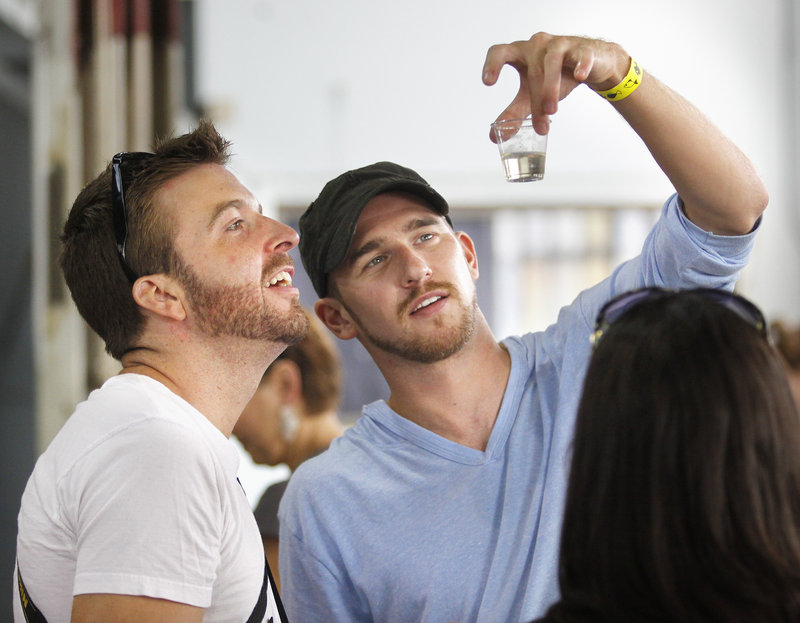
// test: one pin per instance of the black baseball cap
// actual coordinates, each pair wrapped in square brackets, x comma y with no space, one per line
[328,225]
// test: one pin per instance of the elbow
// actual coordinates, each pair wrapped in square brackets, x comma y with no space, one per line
[762,199]
[751,205]
[758,201]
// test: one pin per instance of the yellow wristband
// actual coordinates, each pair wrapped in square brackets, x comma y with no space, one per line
[628,85]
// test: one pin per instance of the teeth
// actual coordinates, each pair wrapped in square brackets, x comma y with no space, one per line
[284,278]
[427,302]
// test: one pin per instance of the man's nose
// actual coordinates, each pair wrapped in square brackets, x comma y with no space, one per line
[415,269]
[280,238]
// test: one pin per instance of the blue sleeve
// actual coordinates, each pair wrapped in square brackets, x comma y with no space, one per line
[676,254]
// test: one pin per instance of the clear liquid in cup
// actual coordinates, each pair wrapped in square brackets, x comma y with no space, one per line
[524,166]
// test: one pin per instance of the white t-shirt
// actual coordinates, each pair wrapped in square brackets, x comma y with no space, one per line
[138,495]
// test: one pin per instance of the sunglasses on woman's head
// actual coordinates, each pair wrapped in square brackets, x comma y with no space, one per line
[619,305]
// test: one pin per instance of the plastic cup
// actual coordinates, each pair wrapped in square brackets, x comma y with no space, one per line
[522,150]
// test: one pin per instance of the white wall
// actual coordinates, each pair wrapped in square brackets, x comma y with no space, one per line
[309,88]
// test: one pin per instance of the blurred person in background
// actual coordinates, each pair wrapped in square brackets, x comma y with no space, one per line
[292,417]
[787,340]
[683,503]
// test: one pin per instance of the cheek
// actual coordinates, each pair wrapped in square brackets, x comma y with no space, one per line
[365,297]
[244,425]
[462,269]
[236,265]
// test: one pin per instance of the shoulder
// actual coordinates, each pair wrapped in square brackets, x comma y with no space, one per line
[318,471]
[136,426]
[555,345]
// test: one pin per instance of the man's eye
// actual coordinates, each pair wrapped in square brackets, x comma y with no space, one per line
[425,237]
[237,224]
[375,261]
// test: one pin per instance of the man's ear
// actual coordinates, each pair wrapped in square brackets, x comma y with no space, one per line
[160,295]
[468,247]
[334,316]
[288,380]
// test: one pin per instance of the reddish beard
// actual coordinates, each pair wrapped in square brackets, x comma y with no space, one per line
[424,348]
[240,310]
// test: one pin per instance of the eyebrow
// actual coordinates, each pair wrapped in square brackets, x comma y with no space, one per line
[412,225]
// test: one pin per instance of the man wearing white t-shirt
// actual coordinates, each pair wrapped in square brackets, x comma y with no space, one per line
[134,512]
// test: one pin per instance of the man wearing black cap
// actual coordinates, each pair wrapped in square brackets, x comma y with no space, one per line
[444,503]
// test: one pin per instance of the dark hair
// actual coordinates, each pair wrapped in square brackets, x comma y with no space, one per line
[320,370]
[684,492]
[89,260]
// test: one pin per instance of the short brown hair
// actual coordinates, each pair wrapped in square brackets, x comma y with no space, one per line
[89,260]
[320,369]
[787,342]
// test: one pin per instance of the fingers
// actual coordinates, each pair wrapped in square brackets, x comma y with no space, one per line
[583,66]
[544,85]
[567,61]
[497,56]
[552,62]
[521,56]
[550,67]
[519,108]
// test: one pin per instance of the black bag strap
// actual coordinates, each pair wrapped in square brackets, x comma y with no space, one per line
[257,616]
[29,609]
[275,595]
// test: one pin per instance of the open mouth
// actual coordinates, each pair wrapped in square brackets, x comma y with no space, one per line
[428,301]
[282,279]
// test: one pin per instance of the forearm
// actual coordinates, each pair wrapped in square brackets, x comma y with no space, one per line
[718,184]
[106,608]
[719,187]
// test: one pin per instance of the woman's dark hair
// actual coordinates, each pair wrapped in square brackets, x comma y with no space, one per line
[684,492]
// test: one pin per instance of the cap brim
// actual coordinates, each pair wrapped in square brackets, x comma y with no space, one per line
[348,224]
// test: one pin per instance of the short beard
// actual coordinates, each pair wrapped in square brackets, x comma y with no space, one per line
[235,311]
[448,340]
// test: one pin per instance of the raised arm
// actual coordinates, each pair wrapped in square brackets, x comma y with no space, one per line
[720,189]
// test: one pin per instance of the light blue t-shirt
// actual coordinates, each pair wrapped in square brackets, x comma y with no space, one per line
[396,524]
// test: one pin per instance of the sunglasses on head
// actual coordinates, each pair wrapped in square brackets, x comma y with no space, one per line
[619,305]
[120,164]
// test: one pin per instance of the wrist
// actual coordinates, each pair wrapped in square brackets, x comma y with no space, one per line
[621,63]
[626,85]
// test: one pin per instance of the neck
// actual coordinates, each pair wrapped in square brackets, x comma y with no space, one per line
[216,380]
[458,397]
[315,434]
